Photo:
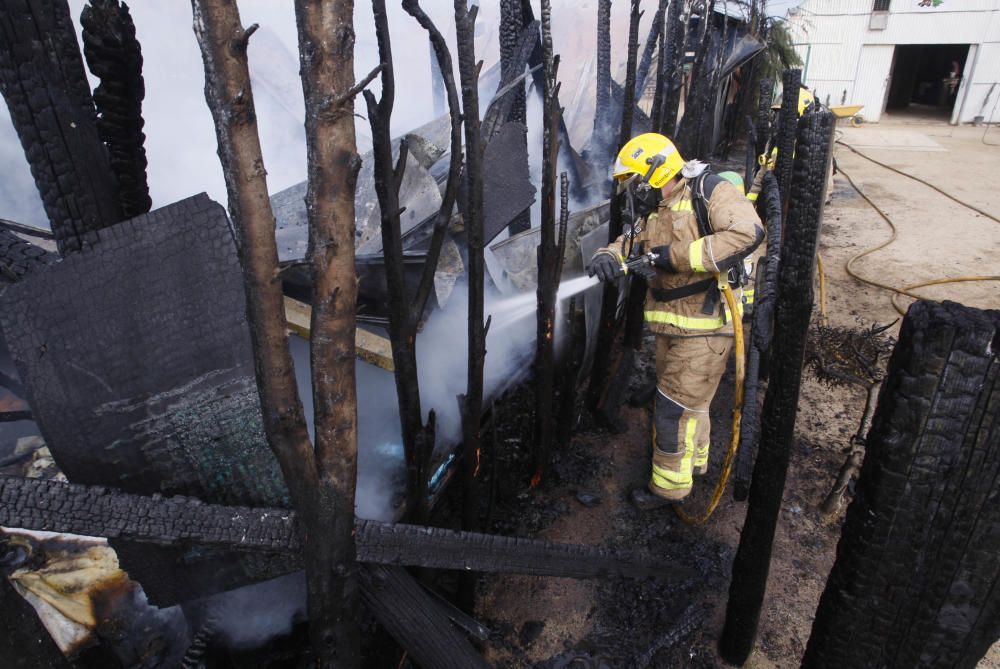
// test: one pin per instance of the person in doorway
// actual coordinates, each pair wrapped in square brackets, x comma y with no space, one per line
[702,228]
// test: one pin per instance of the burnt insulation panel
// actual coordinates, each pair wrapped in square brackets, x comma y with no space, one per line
[137,361]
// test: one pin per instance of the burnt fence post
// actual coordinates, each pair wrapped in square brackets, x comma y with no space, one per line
[793,310]
[914,584]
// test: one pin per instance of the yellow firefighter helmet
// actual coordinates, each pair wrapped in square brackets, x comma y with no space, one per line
[651,156]
[806,100]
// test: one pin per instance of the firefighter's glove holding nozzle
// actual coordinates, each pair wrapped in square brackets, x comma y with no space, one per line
[606,266]
[661,258]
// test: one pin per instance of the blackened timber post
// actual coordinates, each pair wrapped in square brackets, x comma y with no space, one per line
[793,311]
[788,118]
[113,54]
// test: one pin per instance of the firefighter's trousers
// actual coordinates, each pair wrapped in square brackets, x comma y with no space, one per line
[688,370]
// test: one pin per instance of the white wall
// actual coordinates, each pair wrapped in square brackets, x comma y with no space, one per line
[830,35]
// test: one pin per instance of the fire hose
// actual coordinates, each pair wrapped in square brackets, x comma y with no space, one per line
[734,441]
[906,290]
[642,265]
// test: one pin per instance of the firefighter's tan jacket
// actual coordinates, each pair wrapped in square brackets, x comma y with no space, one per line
[736,231]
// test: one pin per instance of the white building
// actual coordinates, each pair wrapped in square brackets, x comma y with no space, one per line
[927,57]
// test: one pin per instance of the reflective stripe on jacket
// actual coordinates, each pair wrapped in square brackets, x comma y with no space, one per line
[736,231]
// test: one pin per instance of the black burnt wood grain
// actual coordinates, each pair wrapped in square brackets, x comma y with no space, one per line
[176,521]
[918,563]
[113,54]
[45,86]
[793,310]
[762,332]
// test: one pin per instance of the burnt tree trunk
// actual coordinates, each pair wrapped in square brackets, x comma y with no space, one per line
[326,53]
[444,61]
[402,328]
[793,310]
[24,641]
[914,584]
[113,54]
[320,482]
[472,408]
[764,129]
[550,255]
[44,84]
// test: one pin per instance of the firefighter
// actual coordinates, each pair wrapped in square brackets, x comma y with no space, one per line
[702,228]
[767,162]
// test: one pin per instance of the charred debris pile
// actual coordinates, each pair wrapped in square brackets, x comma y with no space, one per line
[221,389]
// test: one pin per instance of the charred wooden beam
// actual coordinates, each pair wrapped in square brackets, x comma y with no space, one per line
[416,620]
[914,584]
[114,56]
[45,86]
[511,67]
[793,310]
[98,511]
[788,128]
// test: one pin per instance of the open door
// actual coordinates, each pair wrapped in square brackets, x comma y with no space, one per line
[871,83]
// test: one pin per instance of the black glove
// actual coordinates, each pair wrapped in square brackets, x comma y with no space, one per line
[605,266]
[662,259]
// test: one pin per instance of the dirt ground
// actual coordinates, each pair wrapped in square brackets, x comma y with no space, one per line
[677,622]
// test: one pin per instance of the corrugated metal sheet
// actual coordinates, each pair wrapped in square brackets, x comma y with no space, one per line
[872,80]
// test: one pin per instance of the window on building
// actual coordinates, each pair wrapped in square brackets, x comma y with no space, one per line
[881,6]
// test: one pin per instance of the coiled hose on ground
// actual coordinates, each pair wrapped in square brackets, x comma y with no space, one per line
[906,290]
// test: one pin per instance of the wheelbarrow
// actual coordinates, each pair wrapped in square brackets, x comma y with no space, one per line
[849,112]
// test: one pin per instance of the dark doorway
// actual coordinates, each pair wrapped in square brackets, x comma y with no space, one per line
[926,78]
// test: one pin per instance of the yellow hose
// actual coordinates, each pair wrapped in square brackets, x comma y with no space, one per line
[822,290]
[734,442]
[906,290]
